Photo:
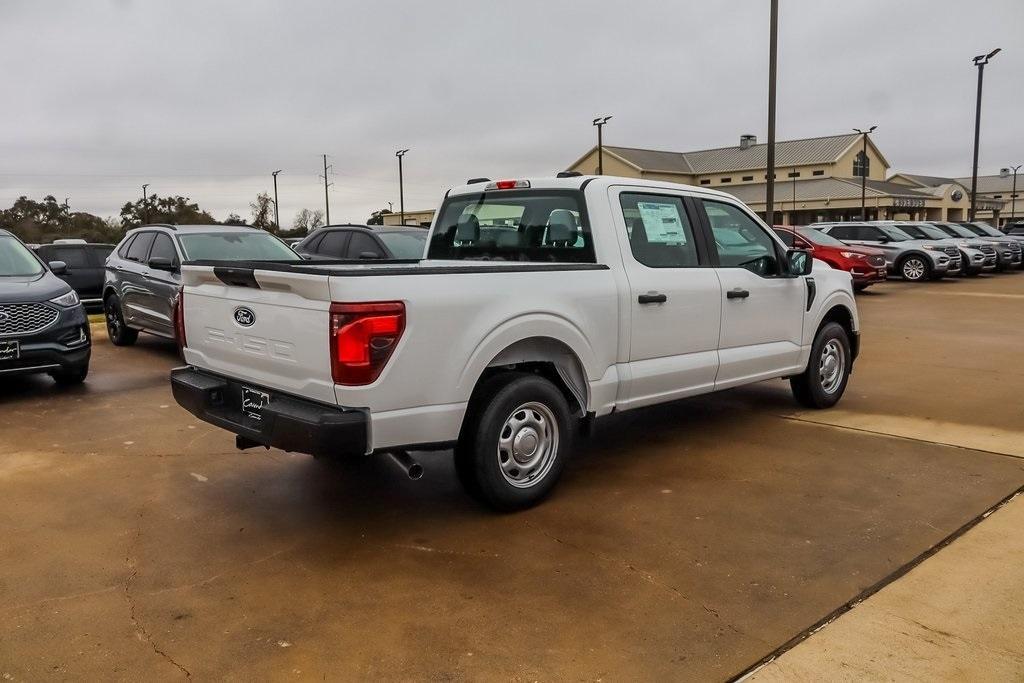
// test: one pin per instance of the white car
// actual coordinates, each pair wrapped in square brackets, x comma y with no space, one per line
[541,305]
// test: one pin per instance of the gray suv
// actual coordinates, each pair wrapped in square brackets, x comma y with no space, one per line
[143,274]
[912,259]
[1008,250]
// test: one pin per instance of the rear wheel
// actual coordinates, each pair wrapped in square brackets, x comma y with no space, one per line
[118,331]
[518,432]
[915,268]
[824,381]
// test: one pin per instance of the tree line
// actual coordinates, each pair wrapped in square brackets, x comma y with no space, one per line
[39,222]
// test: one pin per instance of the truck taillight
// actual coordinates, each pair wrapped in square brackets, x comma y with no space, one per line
[508,185]
[179,320]
[363,337]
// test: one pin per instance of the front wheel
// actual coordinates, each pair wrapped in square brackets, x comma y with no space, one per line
[518,432]
[824,381]
[71,377]
[914,268]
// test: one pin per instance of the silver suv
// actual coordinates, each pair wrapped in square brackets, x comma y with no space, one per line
[143,274]
[973,259]
[910,258]
[1008,250]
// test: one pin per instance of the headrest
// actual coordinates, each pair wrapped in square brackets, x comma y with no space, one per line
[561,226]
[638,233]
[468,229]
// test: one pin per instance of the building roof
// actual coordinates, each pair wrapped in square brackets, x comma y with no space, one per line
[820,150]
[818,189]
[927,180]
[993,183]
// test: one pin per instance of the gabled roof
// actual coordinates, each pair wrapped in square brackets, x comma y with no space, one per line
[994,183]
[927,180]
[817,189]
[820,150]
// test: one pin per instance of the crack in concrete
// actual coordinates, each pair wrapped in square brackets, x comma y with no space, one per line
[132,565]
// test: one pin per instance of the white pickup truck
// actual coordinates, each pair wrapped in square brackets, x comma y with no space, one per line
[540,305]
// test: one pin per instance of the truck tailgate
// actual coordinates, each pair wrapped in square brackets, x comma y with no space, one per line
[269,327]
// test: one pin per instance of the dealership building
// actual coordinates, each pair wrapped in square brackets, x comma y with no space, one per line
[816,179]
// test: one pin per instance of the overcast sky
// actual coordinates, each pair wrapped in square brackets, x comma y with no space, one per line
[205,99]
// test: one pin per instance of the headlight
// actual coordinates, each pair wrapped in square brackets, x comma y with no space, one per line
[66,300]
[851,254]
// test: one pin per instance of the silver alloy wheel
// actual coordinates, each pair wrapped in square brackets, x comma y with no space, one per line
[913,268]
[528,444]
[832,366]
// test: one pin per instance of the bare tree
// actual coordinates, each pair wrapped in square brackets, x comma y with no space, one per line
[263,212]
[308,220]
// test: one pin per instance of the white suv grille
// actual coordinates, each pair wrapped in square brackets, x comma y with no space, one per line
[25,318]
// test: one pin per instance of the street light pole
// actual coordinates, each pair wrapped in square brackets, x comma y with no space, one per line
[327,199]
[1004,173]
[145,203]
[599,122]
[773,50]
[864,171]
[980,61]
[401,189]
[277,213]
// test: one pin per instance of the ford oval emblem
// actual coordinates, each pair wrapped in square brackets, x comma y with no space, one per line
[244,316]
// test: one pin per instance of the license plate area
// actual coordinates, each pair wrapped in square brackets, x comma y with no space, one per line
[10,350]
[253,402]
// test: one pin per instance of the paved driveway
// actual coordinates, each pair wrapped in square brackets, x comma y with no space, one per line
[688,540]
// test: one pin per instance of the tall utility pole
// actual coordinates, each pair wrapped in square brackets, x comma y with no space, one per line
[1005,173]
[864,170]
[599,122]
[145,204]
[980,61]
[277,214]
[773,51]
[327,199]
[401,190]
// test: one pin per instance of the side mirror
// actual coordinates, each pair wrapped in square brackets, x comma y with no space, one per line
[882,239]
[58,267]
[163,263]
[369,255]
[799,262]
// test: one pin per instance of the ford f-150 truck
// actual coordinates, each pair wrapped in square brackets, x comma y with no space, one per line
[539,305]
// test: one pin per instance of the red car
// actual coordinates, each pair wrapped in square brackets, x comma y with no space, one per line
[866,265]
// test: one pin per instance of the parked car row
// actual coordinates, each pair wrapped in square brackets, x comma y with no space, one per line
[918,250]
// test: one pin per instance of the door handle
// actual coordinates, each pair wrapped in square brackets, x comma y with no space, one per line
[652,298]
[737,294]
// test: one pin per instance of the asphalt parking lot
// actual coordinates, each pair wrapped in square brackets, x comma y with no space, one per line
[688,540]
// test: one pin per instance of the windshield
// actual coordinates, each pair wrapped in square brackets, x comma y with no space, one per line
[983,230]
[1016,231]
[815,237]
[895,234]
[405,245]
[527,225]
[235,246]
[919,233]
[16,260]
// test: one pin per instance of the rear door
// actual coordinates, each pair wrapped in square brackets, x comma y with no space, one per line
[675,297]
[134,288]
[162,286]
[762,307]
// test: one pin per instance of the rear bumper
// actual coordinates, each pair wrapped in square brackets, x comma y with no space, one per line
[286,422]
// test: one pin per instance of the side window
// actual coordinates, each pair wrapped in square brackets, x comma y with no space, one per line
[163,247]
[842,232]
[123,251]
[333,244]
[788,238]
[660,234]
[75,258]
[139,250]
[361,243]
[740,241]
[313,245]
[870,233]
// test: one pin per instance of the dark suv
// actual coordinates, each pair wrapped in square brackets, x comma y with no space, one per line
[84,267]
[43,327]
[143,277]
[363,242]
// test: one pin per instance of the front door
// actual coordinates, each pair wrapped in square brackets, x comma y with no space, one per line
[676,300]
[762,307]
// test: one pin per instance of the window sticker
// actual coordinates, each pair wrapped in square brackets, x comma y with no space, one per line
[662,222]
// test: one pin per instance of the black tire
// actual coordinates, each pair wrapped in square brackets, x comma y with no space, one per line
[916,274]
[118,331]
[810,387]
[72,376]
[485,470]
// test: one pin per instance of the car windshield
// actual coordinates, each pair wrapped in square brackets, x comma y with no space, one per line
[933,232]
[917,232]
[983,230]
[895,234]
[511,225]
[253,245]
[1016,230]
[405,245]
[821,239]
[954,230]
[16,260]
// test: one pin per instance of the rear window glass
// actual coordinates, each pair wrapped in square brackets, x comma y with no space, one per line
[75,257]
[253,245]
[405,245]
[527,225]
[139,250]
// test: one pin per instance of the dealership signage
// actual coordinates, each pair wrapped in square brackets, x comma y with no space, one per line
[907,203]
